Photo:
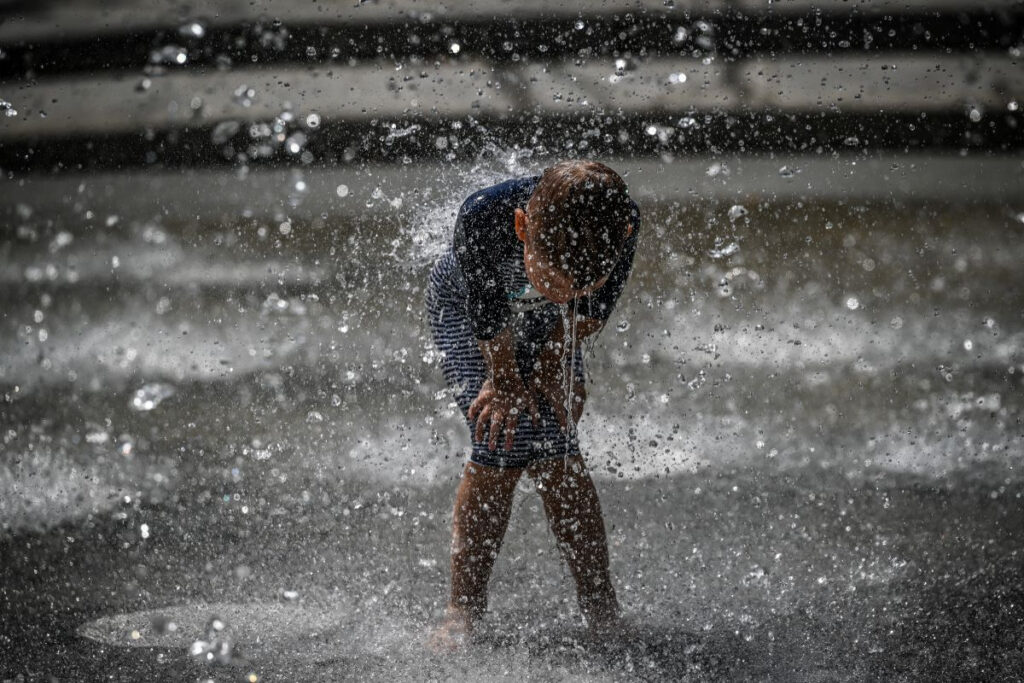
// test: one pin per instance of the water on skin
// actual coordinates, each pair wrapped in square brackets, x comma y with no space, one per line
[569,322]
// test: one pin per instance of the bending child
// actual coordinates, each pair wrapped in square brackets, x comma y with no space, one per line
[535,268]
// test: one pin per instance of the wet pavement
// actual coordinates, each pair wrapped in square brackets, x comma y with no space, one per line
[804,424]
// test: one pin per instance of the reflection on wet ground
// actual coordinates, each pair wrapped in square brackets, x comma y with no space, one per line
[805,421]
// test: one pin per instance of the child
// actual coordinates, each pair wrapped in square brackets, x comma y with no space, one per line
[536,266]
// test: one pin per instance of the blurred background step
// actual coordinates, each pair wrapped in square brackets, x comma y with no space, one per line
[401,192]
[54,38]
[895,82]
[119,103]
[95,86]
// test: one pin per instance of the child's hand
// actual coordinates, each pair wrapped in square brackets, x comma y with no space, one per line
[499,408]
[550,382]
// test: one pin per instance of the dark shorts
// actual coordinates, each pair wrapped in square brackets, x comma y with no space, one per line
[465,371]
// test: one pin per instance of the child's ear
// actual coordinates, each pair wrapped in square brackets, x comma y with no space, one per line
[520,222]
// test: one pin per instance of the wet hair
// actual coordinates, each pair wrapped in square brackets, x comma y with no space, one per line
[580,210]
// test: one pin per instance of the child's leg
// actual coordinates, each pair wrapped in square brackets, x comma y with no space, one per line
[574,515]
[483,504]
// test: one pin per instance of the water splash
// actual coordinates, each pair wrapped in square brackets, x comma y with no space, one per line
[429,223]
[568,371]
[736,212]
[149,396]
[215,647]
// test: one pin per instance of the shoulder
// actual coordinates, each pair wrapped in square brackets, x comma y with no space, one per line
[504,195]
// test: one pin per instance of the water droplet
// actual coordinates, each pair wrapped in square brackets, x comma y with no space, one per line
[342,191]
[97,436]
[314,416]
[162,625]
[787,172]
[313,120]
[579,24]
[622,326]
[896,323]
[852,303]
[737,211]
[295,143]
[974,115]
[169,55]
[756,577]
[192,29]
[144,531]
[224,131]
[723,249]
[454,48]
[717,169]
[244,95]
[7,108]
[851,141]
[968,344]
[395,133]
[149,396]
[1012,105]
[215,647]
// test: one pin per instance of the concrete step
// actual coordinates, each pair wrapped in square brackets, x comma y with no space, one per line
[84,18]
[457,88]
[65,38]
[897,82]
[410,192]
[97,17]
[110,103]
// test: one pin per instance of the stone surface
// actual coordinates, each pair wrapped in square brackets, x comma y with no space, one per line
[604,85]
[267,193]
[97,17]
[904,81]
[109,103]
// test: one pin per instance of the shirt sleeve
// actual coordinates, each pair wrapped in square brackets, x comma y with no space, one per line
[599,304]
[487,306]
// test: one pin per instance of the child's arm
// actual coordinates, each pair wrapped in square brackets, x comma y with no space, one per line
[549,379]
[503,395]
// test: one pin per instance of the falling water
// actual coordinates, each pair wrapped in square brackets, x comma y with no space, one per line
[568,360]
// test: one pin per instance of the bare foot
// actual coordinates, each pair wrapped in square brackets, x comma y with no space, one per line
[452,634]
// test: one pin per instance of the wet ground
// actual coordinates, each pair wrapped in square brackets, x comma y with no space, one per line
[804,423]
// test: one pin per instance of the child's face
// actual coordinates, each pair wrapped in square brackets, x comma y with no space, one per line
[546,278]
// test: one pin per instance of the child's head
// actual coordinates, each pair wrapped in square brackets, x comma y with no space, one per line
[573,229]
